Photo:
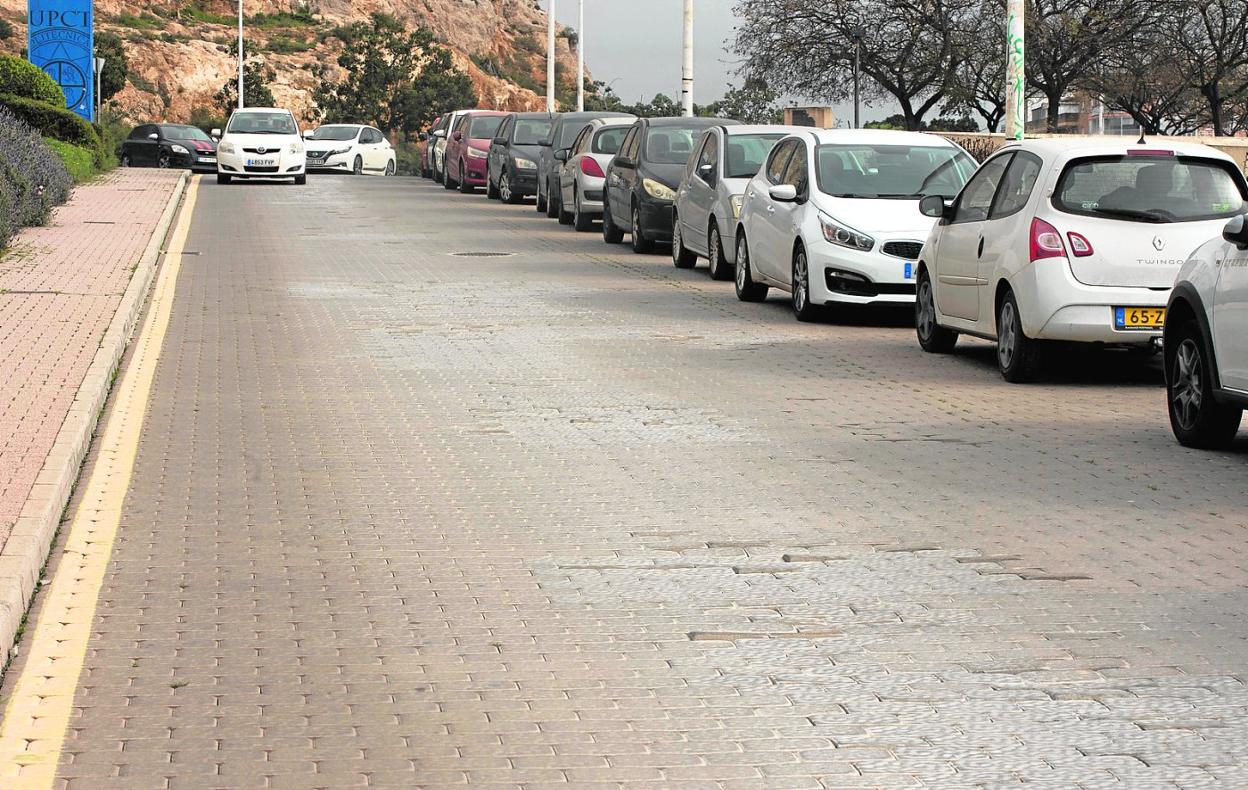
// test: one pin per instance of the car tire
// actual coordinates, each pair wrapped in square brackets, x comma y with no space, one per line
[491,189]
[464,187]
[803,309]
[682,258]
[357,166]
[719,266]
[565,217]
[933,338]
[1197,419]
[610,233]
[552,208]
[163,161]
[301,179]
[447,183]
[223,178]
[391,169]
[438,175]
[641,244]
[582,222]
[1018,356]
[506,191]
[541,201]
[125,160]
[747,289]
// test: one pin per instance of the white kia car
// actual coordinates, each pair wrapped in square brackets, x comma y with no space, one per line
[261,142]
[584,171]
[1074,240]
[708,202]
[1206,341]
[350,148]
[833,216]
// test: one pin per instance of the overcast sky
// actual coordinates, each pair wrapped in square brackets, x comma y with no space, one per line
[634,45]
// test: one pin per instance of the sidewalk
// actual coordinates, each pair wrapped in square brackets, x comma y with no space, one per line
[67,291]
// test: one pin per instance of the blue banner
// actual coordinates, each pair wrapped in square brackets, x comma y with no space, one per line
[61,41]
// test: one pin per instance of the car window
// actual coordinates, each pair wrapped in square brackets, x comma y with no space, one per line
[531,131]
[262,123]
[1017,185]
[628,148]
[780,160]
[709,154]
[744,154]
[484,126]
[578,145]
[1150,188]
[460,123]
[668,145]
[136,133]
[796,172]
[977,197]
[504,129]
[609,139]
[893,171]
[184,132]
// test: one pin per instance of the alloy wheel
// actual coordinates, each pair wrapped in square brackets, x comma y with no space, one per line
[357,168]
[800,282]
[1187,392]
[163,161]
[504,187]
[927,309]
[1007,332]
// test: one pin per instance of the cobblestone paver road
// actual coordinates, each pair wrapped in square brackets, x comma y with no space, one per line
[410,514]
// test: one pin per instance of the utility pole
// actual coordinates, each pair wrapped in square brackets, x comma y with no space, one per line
[580,56]
[686,76]
[1015,72]
[550,57]
[240,54]
[98,63]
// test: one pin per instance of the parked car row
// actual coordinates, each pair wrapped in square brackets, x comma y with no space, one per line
[1046,244]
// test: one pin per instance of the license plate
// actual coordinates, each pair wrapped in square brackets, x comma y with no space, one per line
[261,162]
[1145,318]
[908,271]
[207,159]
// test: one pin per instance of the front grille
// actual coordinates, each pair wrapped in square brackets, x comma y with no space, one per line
[265,152]
[903,249]
[261,169]
[864,287]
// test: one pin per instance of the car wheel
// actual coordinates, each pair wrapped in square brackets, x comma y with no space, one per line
[1018,356]
[1195,417]
[552,207]
[491,189]
[682,258]
[803,309]
[447,183]
[580,220]
[391,168]
[933,338]
[508,191]
[565,216]
[163,161]
[747,289]
[541,200]
[223,178]
[438,174]
[720,268]
[125,160]
[357,167]
[464,187]
[610,233]
[301,179]
[641,245]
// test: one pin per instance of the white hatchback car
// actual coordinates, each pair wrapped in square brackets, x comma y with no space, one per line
[833,216]
[1069,240]
[1206,341]
[584,171]
[261,142]
[708,202]
[441,135]
[350,148]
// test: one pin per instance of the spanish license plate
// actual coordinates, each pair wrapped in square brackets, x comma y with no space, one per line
[1139,318]
[908,271]
[261,162]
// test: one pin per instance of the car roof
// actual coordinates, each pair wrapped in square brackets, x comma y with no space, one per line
[877,137]
[485,113]
[695,121]
[763,128]
[623,120]
[262,109]
[1072,147]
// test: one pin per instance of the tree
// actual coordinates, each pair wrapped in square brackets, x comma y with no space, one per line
[979,76]
[256,93]
[116,67]
[398,80]
[599,97]
[753,102]
[1212,48]
[945,123]
[1143,78]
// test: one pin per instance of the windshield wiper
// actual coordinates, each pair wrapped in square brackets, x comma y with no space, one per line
[1127,213]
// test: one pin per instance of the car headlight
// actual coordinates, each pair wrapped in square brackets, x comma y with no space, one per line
[658,190]
[473,153]
[845,236]
[225,148]
[178,149]
[296,148]
[338,151]
[525,164]
[737,202]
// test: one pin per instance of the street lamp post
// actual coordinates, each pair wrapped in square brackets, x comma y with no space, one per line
[550,57]
[240,54]
[686,77]
[1015,87]
[98,64]
[580,57]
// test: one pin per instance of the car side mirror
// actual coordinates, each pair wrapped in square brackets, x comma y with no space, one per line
[562,154]
[440,133]
[783,193]
[308,134]
[500,141]
[458,137]
[625,162]
[153,136]
[707,171]
[1236,232]
[215,134]
[934,206]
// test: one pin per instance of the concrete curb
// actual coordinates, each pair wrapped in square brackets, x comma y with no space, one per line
[23,556]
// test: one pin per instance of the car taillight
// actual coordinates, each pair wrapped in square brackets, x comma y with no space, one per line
[1079,245]
[1046,242]
[590,167]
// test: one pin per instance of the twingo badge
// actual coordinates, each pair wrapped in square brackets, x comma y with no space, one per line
[61,41]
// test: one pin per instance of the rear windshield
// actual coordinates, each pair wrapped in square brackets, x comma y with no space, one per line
[484,126]
[262,123]
[892,171]
[608,140]
[668,145]
[746,153]
[531,131]
[1149,188]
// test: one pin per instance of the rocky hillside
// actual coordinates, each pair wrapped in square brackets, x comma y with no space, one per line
[182,51]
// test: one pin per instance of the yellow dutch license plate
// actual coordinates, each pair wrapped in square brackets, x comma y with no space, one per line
[1144,318]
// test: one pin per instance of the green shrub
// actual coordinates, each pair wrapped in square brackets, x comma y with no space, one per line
[33,179]
[52,121]
[80,162]
[21,78]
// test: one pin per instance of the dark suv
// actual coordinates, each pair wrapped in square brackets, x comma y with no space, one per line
[643,178]
[514,153]
[564,130]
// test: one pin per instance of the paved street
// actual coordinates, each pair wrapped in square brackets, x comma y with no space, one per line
[409,513]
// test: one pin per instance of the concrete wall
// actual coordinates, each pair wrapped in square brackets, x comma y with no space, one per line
[981,144]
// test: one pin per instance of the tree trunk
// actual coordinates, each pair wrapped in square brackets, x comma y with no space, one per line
[1214,97]
[1054,111]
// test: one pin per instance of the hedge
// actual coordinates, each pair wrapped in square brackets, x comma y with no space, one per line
[78,161]
[33,178]
[53,121]
[19,77]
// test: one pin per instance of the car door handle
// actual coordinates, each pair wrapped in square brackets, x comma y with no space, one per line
[771,209]
[980,254]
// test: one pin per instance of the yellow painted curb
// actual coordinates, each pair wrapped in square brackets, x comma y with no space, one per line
[38,713]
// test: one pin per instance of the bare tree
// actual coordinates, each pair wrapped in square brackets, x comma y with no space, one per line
[979,73]
[1143,78]
[1212,50]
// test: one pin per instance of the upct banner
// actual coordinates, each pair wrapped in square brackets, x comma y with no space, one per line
[61,41]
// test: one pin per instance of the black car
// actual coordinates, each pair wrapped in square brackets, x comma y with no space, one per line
[564,130]
[169,145]
[643,178]
[511,172]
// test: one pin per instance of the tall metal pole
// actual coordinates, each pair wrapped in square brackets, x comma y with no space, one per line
[686,76]
[580,56]
[240,54]
[1015,71]
[857,71]
[550,57]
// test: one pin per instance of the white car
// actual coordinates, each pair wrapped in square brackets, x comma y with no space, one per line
[833,216]
[1206,341]
[261,142]
[350,148]
[441,134]
[708,202]
[584,171]
[1069,240]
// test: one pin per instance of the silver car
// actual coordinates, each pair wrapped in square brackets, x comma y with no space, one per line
[440,135]
[583,174]
[708,202]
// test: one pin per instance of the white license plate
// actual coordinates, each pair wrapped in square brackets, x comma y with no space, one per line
[261,162]
[207,159]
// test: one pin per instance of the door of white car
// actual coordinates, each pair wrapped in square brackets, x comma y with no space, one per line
[1230,318]
[763,222]
[1008,226]
[699,187]
[785,221]
[962,243]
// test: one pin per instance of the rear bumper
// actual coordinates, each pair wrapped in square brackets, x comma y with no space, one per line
[1056,306]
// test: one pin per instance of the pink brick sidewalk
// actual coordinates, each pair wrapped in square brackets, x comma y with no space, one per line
[59,288]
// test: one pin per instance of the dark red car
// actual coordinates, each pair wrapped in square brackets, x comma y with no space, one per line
[468,149]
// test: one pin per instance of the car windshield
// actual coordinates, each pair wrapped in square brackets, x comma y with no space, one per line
[1149,189]
[897,172]
[180,132]
[262,123]
[670,145]
[531,131]
[484,126]
[608,141]
[336,133]
[745,153]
